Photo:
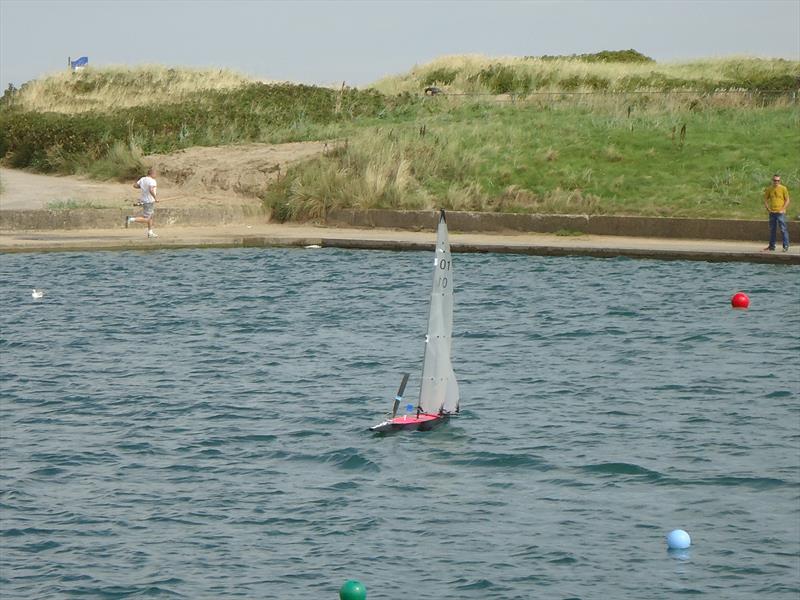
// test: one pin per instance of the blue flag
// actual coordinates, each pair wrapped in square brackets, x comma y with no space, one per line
[80,62]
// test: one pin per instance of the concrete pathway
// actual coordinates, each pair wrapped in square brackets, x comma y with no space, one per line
[271,234]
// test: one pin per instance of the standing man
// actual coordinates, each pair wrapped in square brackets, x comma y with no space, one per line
[776,200]
[147,199]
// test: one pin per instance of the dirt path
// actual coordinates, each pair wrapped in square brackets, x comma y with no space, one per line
[29,191]
[195,177]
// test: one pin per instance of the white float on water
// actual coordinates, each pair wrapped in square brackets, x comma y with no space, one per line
[37,293]
[678,539]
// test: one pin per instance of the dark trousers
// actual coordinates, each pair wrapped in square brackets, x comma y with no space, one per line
[778,220]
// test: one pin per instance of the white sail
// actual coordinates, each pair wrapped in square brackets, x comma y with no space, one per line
[439,388]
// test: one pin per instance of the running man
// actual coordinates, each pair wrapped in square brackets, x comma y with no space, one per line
[147,199]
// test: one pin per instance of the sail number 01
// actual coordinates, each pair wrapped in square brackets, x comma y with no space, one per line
[444,265]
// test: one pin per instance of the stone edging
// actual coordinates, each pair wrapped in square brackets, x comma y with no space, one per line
[268,241]
[651,227]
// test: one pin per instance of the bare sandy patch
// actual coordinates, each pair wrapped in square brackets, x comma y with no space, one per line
[196,177]
[245,170]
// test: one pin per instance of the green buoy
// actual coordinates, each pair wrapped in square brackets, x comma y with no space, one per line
[352,590]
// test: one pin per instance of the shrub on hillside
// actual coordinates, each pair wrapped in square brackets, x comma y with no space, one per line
[29,137]
[770,82]
[621,56]
[7,100]
[618,56]
[503,79]
[442,75]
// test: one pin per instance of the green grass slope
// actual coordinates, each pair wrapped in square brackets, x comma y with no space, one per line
[563,159]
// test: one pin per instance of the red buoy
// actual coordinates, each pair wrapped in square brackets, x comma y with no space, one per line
[740,300]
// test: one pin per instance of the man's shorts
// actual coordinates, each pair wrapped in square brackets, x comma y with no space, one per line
[148,209]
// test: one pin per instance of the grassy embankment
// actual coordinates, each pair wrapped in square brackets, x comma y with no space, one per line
[534,135]
[653,142]
[557,160]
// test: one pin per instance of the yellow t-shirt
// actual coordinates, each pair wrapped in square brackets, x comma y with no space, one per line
[776,196]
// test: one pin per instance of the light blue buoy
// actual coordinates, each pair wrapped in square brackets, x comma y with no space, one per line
[678,539]
[409,408]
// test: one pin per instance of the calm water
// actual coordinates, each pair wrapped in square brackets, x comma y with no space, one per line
[192,424]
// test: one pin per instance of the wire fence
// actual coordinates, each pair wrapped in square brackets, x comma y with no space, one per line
[753,97]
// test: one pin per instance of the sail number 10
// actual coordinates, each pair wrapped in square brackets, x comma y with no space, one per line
[444,265]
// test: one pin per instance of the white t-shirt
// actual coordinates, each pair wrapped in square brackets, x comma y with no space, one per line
[148,186]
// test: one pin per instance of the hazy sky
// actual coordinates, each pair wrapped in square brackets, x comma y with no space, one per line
[360,42]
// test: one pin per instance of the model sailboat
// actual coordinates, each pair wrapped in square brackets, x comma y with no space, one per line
[438,394]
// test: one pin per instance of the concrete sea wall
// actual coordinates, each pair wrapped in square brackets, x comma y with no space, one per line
[465,222]
[654,227]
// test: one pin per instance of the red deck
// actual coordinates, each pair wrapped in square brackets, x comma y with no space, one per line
[413,419]
[422,421]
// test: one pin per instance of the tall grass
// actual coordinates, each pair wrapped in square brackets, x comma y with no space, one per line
[112,88]
[477,74]
[380,167]
[122,161]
